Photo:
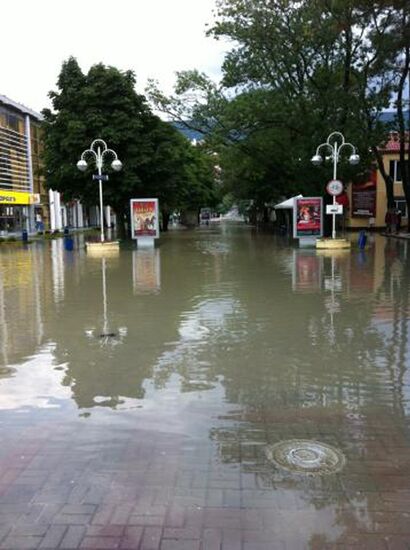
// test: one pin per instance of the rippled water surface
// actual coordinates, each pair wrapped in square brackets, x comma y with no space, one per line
[148,386]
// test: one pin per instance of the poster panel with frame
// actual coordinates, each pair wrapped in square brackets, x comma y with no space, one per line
[144,218]
[308,217]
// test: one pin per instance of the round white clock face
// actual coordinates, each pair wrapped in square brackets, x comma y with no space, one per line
[334,187]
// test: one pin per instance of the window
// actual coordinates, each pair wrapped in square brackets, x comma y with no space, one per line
[13,122]
[402,206]
[395,170]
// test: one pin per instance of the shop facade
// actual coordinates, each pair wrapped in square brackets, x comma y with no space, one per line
[23,200]
[25,204]
[367,200]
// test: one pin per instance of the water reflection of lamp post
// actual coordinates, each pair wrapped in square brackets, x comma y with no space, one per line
[99,150]
[107,335]
[333,283]
[335,143]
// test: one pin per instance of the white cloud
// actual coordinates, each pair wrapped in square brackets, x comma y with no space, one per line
[155,38]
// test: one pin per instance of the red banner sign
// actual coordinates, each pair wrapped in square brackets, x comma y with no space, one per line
[364,197]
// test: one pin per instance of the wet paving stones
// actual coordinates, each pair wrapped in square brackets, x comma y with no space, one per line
[186,498]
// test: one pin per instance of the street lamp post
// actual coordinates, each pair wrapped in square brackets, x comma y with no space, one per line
[334,144]
[99,150]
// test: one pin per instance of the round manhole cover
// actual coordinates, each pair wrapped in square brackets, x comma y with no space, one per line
[305,456]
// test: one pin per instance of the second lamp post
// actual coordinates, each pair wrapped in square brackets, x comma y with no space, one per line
[334,144]
[99,150]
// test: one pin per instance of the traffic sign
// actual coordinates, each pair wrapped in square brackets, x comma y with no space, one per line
[102,177]
[335,187]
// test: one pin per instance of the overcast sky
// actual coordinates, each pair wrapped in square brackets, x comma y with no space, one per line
[154,38]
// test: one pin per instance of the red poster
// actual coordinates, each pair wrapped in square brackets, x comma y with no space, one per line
[364,197]
[144,218]
[308,217]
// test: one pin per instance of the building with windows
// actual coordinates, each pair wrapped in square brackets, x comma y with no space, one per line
[23,200]
[367,201]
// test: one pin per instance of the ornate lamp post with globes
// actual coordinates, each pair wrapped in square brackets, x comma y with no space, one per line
[334,145]
[99,151]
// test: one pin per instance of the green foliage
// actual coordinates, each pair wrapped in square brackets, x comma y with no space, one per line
[157,160]
[297,71]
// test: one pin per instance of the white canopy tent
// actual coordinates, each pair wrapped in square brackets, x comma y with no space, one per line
[285,215]
[288,203]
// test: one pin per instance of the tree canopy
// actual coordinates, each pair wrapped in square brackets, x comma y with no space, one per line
[297,71]
[157,160]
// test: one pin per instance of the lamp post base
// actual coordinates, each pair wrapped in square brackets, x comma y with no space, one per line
[333,243]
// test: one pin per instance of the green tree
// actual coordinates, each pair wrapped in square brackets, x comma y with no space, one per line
[103,104]
[179,174]
[400,42]
[297,71]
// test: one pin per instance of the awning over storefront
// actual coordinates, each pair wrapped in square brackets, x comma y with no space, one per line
[288,203]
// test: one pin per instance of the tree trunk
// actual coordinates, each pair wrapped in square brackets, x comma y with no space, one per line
[388,180]
[165,219]
[405,172]
[121,221]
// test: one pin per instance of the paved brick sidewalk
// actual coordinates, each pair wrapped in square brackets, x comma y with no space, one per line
[81,486]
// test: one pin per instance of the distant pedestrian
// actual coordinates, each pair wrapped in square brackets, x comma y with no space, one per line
[388,220]
[39,222]
[393,223]
[398,220]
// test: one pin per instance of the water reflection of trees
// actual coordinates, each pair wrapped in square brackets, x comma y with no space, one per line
[109,375]
[392,316]
[350,394]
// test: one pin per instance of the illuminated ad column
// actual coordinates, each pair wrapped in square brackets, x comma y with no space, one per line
[307,220]
[144,221]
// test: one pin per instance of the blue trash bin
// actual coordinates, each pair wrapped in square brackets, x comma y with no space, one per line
[24,236]
[68,243]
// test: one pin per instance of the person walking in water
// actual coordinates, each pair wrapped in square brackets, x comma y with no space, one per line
[398,220]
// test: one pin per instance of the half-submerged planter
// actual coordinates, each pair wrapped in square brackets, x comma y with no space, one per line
[102,249]
[333,243]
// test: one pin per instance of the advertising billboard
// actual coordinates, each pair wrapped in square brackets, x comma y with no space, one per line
[364,197]
[144,218]
[307,217]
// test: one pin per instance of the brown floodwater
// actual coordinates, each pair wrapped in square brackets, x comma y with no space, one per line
[166,398]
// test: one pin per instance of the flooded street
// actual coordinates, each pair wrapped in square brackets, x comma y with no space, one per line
[143,396]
